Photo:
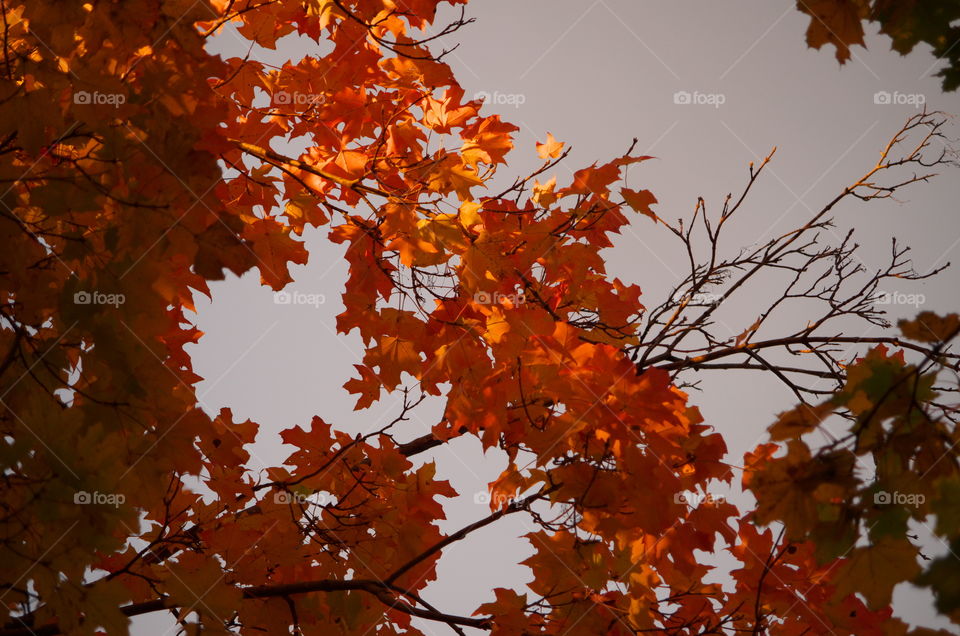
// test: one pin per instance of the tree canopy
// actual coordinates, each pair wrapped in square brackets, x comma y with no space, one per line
[136,167]
[906,22]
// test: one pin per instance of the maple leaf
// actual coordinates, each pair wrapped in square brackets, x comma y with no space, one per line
[470,213]
[487,141]
[640,201]
[304,209]
[393,355]
[543,193]
[445,114]
[198,584]
[874,570]
[551,149]
[795,489]
[941,577]
[219,247]
[594,180]
[368,386]
[274,248]
[930,327]
[447,173]
[837,22]
[800,420]
[597,179]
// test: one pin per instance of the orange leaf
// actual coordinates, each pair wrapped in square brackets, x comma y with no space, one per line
[275,249]
[551,149]
[640,201]
[930,327]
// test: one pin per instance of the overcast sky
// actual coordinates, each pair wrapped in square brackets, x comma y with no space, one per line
[596,74]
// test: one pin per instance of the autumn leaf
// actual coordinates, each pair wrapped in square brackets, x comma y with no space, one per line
[941,577]
[930,327]
[488,141]
[837,22]
[275,249]
[640,201]
[368,386]
[875,570]
[905,23]
[393,356]
[470,213]
[800,420]
[543,193]
[139,165]
[550,149]
[304,209]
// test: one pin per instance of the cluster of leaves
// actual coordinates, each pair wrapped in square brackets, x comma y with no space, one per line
[906,22]
[138,167]
[889,467]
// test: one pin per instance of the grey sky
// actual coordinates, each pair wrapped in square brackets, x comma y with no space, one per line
[596,74]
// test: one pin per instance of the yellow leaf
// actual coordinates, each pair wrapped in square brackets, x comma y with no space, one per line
[543,194]
[470,213]
[551,148]
[497,325]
